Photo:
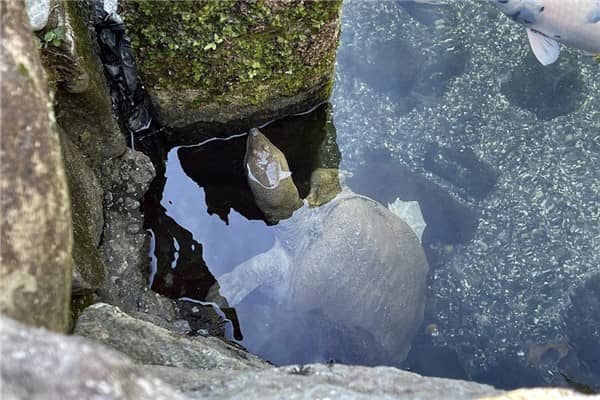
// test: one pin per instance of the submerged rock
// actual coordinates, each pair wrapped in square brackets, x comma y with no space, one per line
[35,230]
[548,91]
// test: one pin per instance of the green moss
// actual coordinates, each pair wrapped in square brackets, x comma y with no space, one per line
[23,71]
[232,52]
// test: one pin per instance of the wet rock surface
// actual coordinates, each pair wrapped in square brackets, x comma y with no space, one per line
[147,343]
[35,232]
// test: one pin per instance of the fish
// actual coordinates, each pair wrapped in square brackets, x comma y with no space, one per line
[574,23]
[431,2]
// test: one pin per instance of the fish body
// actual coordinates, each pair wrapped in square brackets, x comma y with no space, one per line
[575,23]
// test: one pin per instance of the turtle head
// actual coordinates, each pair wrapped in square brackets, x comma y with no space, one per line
[270,178]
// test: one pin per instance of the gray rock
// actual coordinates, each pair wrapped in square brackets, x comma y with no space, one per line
[124,252]
[150,344]
[38,12]
[88,220]
[129,174]
[35,228]
[126,258]
[319,382]
[37,364]
[86,117]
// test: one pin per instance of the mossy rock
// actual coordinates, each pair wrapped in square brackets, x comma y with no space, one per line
[86,117]
[227,63]
[88,220]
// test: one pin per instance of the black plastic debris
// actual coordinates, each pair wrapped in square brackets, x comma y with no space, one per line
[116,54]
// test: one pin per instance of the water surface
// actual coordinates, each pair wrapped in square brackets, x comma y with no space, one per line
[445,105]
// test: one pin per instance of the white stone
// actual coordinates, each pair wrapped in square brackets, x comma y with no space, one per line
[38,12]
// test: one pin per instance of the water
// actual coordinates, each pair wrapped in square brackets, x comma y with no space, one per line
[442,104]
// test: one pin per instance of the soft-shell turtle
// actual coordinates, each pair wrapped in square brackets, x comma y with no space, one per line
[350,261]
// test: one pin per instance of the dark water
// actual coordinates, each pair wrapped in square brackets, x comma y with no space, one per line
[443,105]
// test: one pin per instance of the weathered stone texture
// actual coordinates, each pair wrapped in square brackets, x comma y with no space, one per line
[39,365]
[36,238]
[88,220]
[147,343]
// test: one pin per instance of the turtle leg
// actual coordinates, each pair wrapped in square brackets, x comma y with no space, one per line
[268,268]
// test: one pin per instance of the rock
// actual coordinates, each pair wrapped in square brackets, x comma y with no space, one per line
[540,394]
[88,220]
[86,116]
[240,65]
[320,382]
[150,344]
[335,264]
[126,258]
[38,12]
[60,52]
[582,320]
[462,168]
[324,186]
[36,239]
[125,253]
[129,174]
[37,364]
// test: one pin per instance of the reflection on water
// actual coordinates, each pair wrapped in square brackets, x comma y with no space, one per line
[442,104]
